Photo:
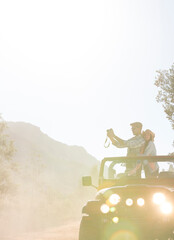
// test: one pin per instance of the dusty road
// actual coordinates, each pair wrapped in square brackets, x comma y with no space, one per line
[65,232]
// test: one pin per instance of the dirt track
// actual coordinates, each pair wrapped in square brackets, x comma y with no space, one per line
[65,232]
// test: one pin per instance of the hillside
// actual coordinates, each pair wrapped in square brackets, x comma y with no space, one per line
[60,161]
[48,190]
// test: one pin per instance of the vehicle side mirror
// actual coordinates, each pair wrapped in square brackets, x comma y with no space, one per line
[87,181]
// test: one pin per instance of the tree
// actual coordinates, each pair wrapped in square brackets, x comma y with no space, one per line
[6,164]
[165,83]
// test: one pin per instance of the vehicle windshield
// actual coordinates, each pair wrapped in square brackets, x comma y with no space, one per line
[156,167]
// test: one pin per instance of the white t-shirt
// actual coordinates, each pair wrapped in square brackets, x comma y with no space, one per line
[150,150]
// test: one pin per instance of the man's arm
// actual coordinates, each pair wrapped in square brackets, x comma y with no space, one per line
[118,142]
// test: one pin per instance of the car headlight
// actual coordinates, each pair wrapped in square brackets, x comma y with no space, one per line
[140,202]
[159,198]
[166,208]
[114,199]
[104,208]
[129,202]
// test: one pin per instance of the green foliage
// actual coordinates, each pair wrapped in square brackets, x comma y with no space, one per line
[165,83]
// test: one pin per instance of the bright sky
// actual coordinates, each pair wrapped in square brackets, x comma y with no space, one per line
[76,68]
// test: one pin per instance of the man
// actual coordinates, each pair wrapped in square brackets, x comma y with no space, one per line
[134,145]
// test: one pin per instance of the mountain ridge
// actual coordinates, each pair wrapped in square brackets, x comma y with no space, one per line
[59,159]
[47,180]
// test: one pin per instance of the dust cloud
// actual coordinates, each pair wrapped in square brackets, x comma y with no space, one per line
[38,203]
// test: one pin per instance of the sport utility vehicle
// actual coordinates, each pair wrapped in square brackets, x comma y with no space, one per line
[132,207]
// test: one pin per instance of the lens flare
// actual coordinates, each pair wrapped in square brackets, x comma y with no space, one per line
[123,234]
[112,209]
[104,208]
[158,198]
[115,219]
[140,202]
[114,199]
[166,208]
[129,202]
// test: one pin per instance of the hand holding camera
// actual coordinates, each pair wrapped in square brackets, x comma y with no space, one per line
[110,136]
[110,133]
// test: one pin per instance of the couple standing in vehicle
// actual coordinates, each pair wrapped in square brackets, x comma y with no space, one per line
[142,144]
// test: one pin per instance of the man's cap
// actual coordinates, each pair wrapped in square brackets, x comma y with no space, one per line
[137,124]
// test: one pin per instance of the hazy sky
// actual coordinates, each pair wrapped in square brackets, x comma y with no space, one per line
[76,68]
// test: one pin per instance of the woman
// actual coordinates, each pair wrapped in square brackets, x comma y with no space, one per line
[149,149]
[151,168]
